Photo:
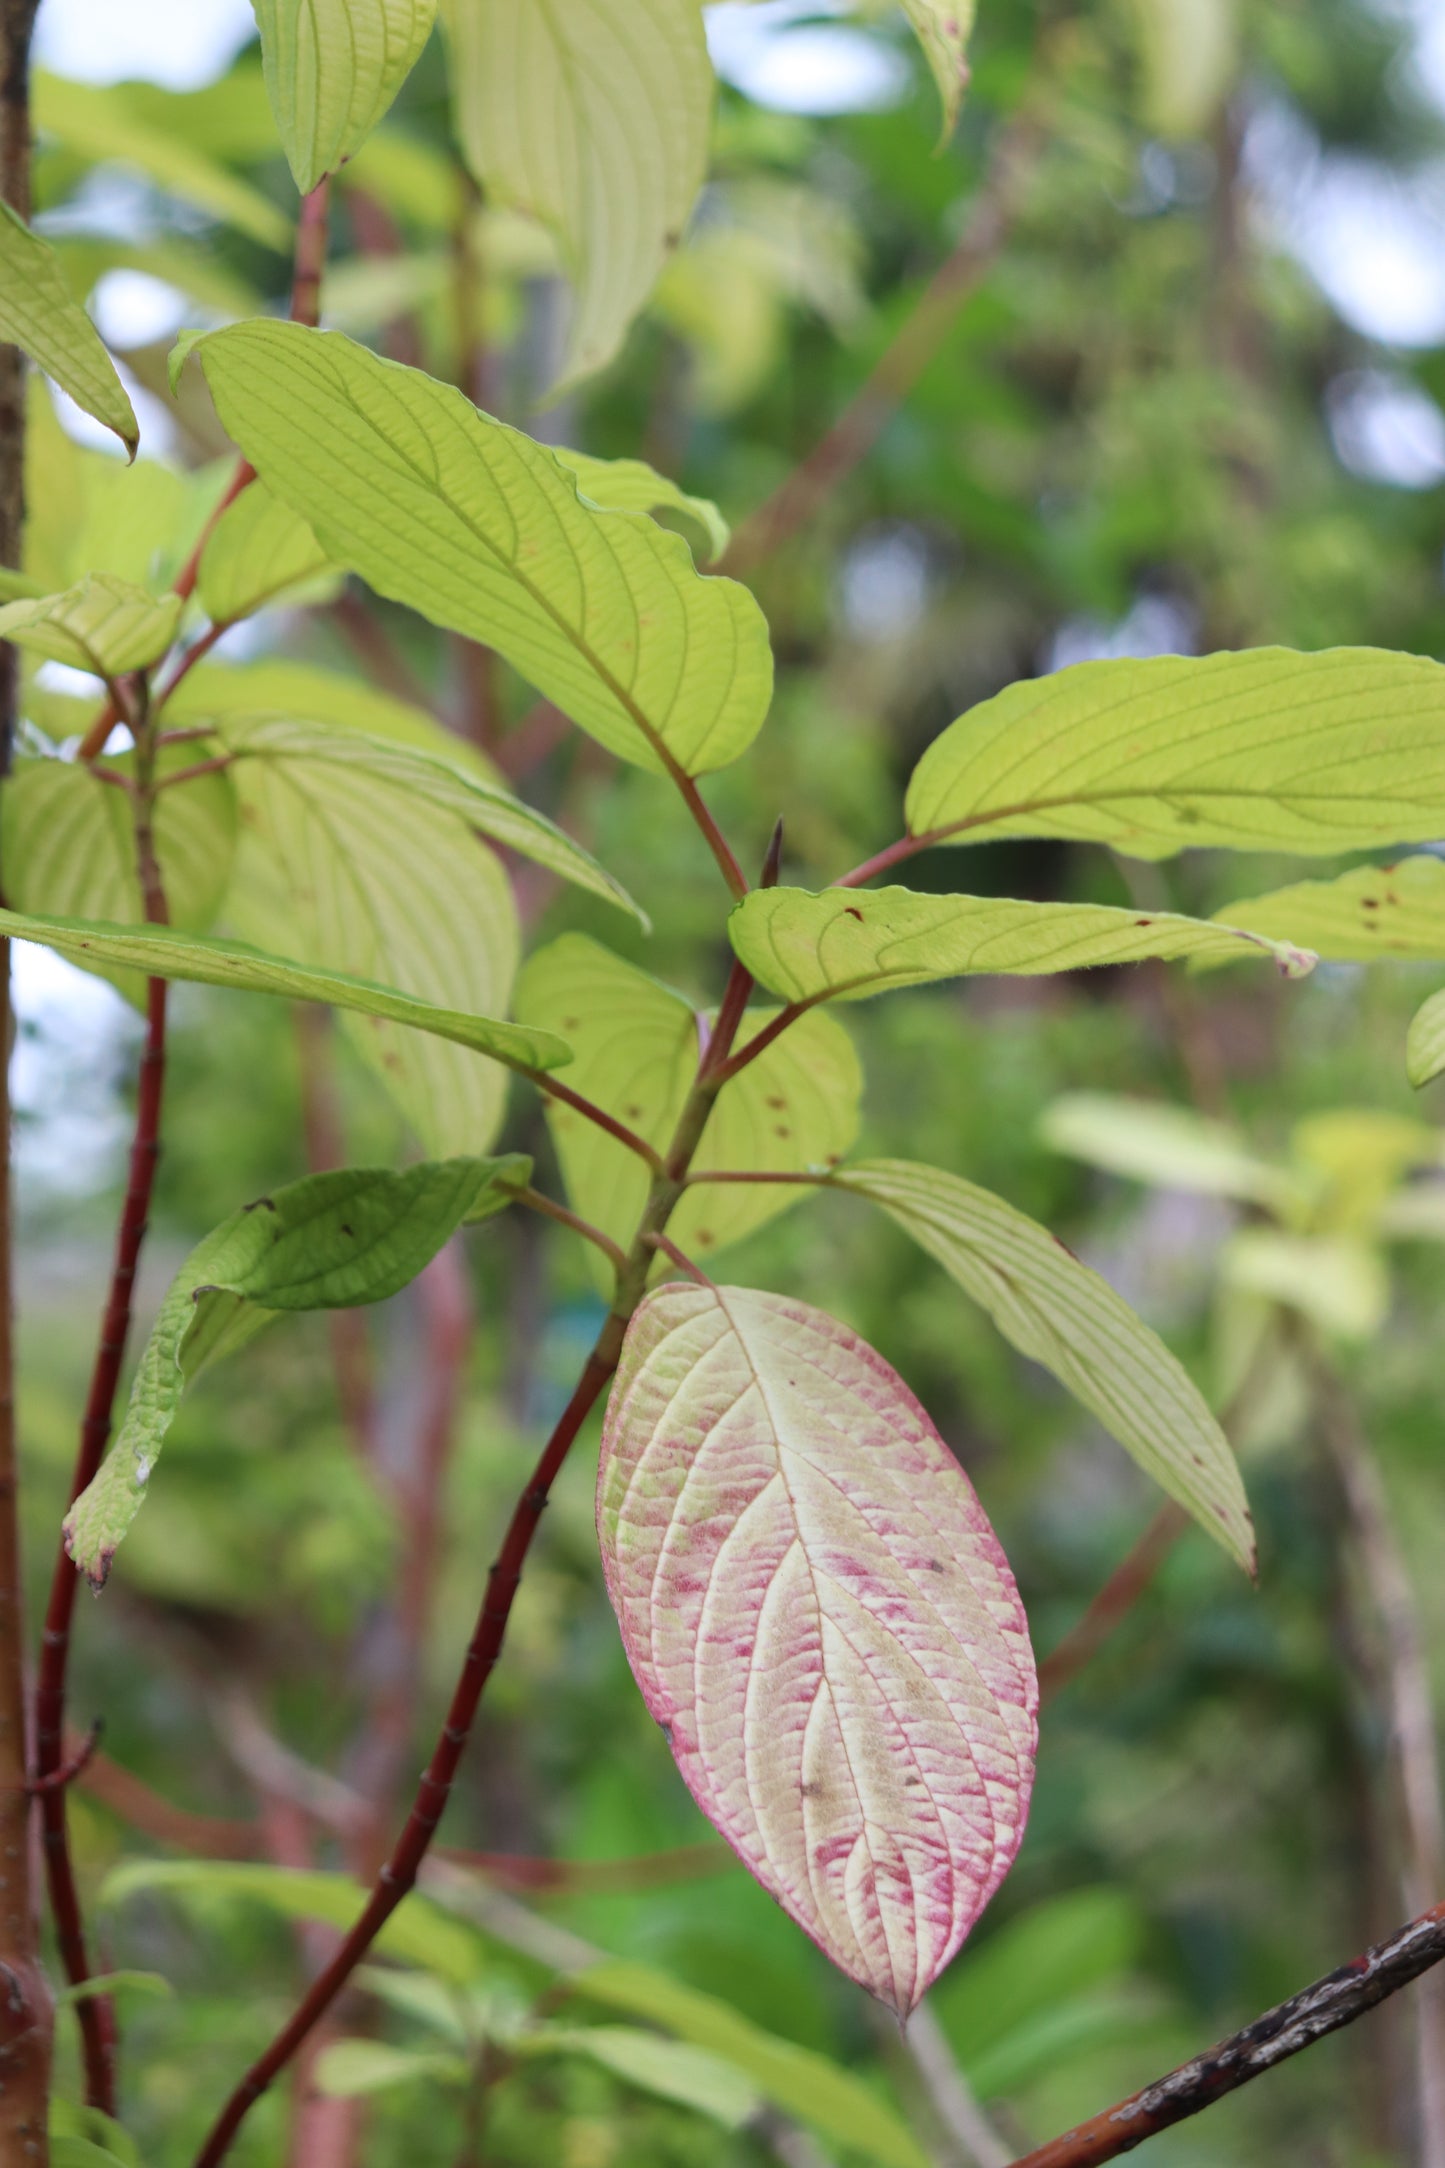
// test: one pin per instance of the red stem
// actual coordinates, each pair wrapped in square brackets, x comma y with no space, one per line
[905,847]
[95,2013]
[399,1874]
[545,1082]
[1318,2010]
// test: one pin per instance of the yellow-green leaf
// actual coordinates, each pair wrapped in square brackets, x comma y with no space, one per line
[1170,1146]
[39,313]
[636,1045]
[278,687]
[67,843]
[411,772]
[332,69]
[163,952]
[943,27]
[103,625]
[845,944]
[1337,1280]
[593,115]
[1425,1045]
[340,868]
[482,530]
[1060,1313]
[104,121]
[1261,750]
[630,485]
[257,550]
[1369,915]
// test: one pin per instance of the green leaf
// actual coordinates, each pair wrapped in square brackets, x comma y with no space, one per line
[257,550]
[1372,914]
[163,952]
[39,313]
[1062,1314]
[320,696]
[1425,1044]
[1260,750]
[348,872]
[69,2120]
[636,1043]
[419,1932]
[81,2153]
[105,121]
[594,118]
[669,2068]
[67,843]
[151,1985]
[351,2069]
[444,783]
[104,625]
[630,485]
[87,512]
[332,69]
[795,2079]
[482,531]
[845,944]
[1336,1280]
[943,27]
[1171,1147]
[331,1241]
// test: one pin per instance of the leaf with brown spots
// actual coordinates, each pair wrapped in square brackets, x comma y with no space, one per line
[774,1508]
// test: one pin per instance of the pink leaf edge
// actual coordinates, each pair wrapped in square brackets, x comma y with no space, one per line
[822,1620]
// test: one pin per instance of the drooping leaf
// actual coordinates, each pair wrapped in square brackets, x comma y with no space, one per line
[282,687]
[594,116]
[1425,1045]
[348,872]
[86,511]
[482,530]
[802,2083]
[845,944]
[331,1241]
[67,843]
[39,313]
[636,1045]
[1170,1146]
[1368,915]
[404,771]
[821,1618]
[353,2069]
[1060,1313]
[163,952]
[1261,750]
[70,2121]
[670,2069]
[1336,1280]
[419,1932]
[257,550]
[99,122]
[943,27]
[332,69]
[630,485]
[103,625]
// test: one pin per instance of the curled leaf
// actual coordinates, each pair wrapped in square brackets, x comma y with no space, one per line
[820,1616]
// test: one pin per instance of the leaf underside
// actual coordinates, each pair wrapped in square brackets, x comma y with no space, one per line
[332,68]
[818,1613]
[39,313]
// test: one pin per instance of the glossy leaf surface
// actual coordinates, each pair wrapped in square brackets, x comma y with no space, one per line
[820,1616]
[1264,749]
[39,313]
[1061,1313]
[845,944]
[636,1044]
[593,115]
[482,530]
[332,69]
[331,1241]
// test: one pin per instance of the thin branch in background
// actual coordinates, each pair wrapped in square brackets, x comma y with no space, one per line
[476,376]
[969,2138]
[27,2020]
[325,1148]
[385,664]
[1415,1743]
[1323,2008]
[852,436]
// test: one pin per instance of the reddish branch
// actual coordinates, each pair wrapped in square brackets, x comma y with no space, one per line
[1291,2026]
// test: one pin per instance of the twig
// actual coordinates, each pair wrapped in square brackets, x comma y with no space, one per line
[400,1872]
[860,424]
[536,1201]
[1412,1718]
[1326,2007]
[74,1765]
[683,1262]
[975,2142]
[590,1111]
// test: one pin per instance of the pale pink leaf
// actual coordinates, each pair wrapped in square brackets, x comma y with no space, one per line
[820,1616]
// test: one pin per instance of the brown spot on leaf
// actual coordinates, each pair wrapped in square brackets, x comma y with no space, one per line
[850,910]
